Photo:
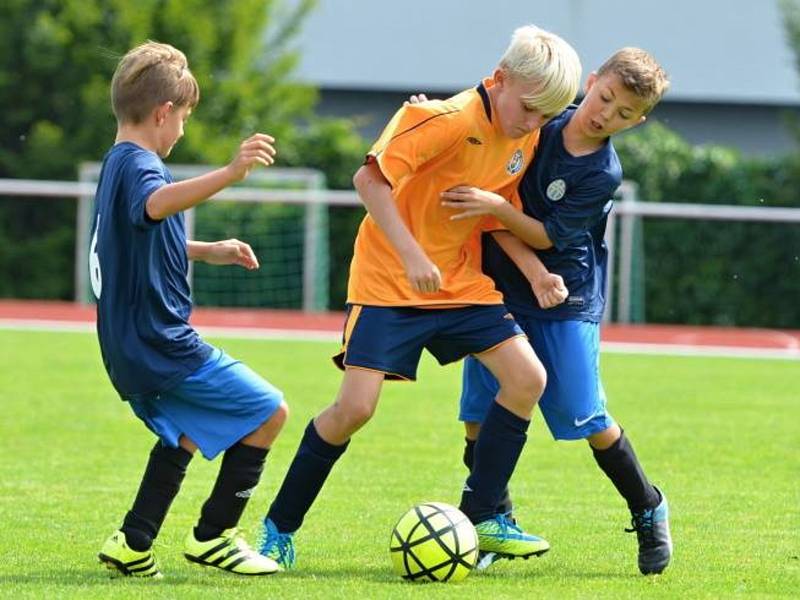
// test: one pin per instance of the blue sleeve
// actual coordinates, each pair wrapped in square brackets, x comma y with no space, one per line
[145,173]
[580,209]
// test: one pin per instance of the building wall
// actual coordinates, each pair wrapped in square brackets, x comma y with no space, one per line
[733,75]
[754,129]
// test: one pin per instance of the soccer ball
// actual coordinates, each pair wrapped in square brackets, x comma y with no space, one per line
[434,542]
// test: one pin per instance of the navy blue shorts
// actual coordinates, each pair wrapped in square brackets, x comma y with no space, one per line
[215,407]
[390,339]
[573,403]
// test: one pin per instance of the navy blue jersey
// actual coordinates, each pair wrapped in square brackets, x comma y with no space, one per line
[139,276]
[571,196]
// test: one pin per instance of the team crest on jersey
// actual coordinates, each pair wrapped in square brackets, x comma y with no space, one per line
[556,189]
[514,166]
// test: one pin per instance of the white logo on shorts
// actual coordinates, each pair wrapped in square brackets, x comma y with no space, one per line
[556,189]
[582,422]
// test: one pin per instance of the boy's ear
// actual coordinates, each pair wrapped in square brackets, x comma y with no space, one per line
[590,81]
[162,112]
[499,76]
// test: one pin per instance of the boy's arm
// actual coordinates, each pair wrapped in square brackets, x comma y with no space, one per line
[476,202]
[224,252]
[548,288]
[376,194]
[175,197]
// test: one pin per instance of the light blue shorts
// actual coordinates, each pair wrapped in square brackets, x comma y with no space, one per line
[574,402]
[215,407]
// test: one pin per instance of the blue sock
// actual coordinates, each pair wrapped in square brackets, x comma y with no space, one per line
[497,450]
[306,475]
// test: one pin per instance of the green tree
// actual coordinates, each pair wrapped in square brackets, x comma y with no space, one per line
[56,62]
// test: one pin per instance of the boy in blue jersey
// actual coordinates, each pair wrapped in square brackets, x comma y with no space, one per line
[190,394]
[566,197]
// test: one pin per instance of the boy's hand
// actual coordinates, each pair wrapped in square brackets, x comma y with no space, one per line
[231,252]
[415,99]
[473,202]
[423,275]
[257,149]
[549,290]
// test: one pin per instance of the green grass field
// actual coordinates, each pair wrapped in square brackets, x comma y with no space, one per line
[721,436]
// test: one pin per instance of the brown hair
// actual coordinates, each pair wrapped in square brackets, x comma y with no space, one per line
[150,75]
[640,73]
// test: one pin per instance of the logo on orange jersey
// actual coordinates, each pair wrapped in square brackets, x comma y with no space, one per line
[474,141]
[514,166]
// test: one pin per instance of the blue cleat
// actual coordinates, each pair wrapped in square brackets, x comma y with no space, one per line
[652,531]
[276,545]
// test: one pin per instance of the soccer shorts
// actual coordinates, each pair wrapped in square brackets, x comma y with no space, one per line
[574,402]
[391,339]
[215,407]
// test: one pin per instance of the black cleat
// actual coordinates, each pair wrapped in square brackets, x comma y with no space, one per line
[655,542]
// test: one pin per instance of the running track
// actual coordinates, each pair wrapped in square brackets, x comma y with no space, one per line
[280,324]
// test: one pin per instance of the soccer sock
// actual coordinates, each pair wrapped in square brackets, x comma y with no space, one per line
[619,462]
[161,481]
[499,444]
[238,476]
[504,506]
[307,474]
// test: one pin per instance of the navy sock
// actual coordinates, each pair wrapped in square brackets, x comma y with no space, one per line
[497,449]
[619,462]
[238,476]
[505,506]
[161,481]
[307,474]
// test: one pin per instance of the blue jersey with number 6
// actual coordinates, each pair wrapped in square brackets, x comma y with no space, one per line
[138,270]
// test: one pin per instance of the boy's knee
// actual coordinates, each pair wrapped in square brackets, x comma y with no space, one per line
[280,416]
[357,414]
[526,385]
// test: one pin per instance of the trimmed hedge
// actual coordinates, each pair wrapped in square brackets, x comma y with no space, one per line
[715,272]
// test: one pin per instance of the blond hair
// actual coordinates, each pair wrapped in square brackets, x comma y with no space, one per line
[639,72]
[148,76]
[538,55]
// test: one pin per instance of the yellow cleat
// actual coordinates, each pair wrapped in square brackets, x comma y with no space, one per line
[503,537]
[229,552]
[117,556]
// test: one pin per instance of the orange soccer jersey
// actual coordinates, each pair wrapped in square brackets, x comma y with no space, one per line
[426,149]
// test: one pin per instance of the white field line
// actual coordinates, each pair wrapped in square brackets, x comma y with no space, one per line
[792,353]
[310,335]
[698,350]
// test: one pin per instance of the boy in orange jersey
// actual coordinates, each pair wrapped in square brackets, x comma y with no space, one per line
[416,282]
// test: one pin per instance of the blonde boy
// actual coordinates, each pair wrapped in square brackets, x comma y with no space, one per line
[415,281]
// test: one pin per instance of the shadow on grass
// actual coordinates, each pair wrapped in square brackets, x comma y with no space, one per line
[210,578]
[205,577]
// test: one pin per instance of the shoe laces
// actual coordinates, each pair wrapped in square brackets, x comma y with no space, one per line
[235,535]
[643,523]
[282,542]
[506,523]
